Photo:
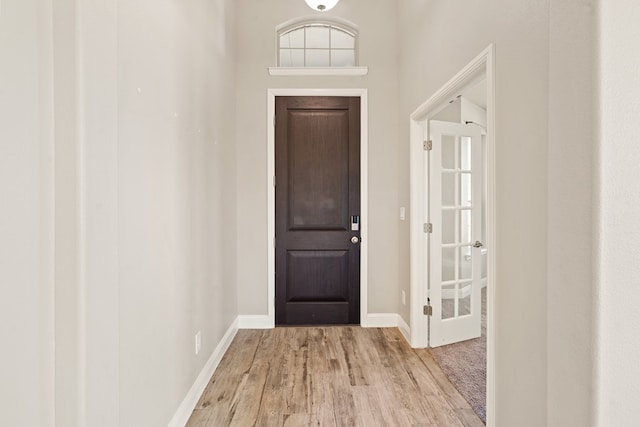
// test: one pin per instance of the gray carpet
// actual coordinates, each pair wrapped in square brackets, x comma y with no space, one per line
[465,364]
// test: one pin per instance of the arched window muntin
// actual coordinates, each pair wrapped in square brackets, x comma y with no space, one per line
[313,43]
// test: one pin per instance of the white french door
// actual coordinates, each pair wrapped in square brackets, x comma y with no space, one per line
[455,215]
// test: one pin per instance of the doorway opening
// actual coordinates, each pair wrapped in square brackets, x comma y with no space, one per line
[453,252]
[361,221]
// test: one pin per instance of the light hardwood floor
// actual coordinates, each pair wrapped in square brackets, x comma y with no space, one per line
[329,376]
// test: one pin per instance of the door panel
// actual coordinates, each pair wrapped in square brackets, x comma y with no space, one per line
[317,195]
[317,274]
[455,187]
[318,170]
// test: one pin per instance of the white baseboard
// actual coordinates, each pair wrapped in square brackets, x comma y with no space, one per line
[404,329]
[382,320]
[191,400]
[254,322]
[389,320]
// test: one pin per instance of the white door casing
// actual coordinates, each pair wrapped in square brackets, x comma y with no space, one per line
[269,320]
[455,215]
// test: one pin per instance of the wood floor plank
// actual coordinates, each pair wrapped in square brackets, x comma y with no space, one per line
[296,420]
[321,398]
[297,385]
[343,404]
[247,402]
[200,418]
[401,378]
[441,381]
[329,376]
[318,360]
[353,357]
[418,387]
[468,418]
[391,407]
[236,361]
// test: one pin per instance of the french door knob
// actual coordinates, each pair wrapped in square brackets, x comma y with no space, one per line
[478,244]
[355,240]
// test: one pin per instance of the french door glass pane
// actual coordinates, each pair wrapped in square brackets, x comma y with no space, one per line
[449,226]
[449,189]
[465,153]
[465,226]
[465,189]
[457,194]
[483,266]
[448,264]
[448,301]
[464,263]
[464,304]
[449,152]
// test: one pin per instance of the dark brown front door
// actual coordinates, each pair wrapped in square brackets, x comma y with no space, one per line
[317,210]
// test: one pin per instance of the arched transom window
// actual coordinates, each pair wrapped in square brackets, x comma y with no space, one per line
[317,44]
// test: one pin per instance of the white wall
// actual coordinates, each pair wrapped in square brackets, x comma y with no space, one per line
[570,275]
[68,319]
[139,99]
[26,216]
[618,214]
[256,21]
[545,142]
[176,228]
[437,39]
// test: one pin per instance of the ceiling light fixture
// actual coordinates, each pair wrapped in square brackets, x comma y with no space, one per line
[321,5]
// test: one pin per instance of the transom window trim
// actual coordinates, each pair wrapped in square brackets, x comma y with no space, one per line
[317,44]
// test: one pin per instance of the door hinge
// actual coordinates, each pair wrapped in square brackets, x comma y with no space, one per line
[428,228]
[427,310]
[274,121]
[274,180]
[427,145]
